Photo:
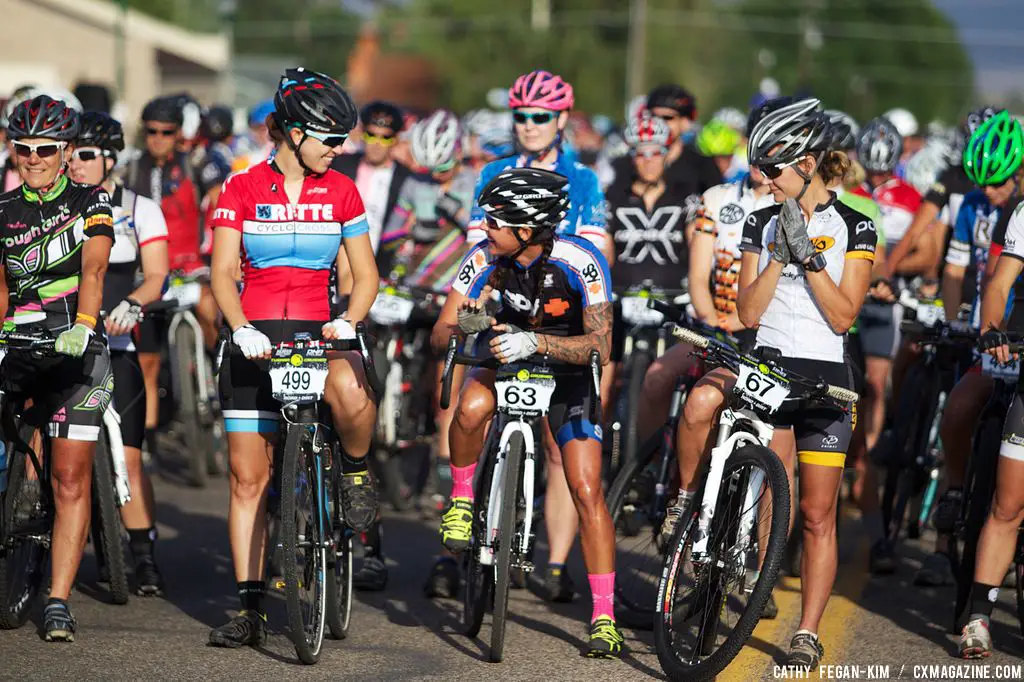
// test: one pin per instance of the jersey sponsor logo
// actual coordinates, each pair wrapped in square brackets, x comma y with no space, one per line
[520,302]
[653,237]
[101,219]
[556,307]
[254,227]
[731,213]
[301,212]
[865,226]
[223,214]
[62,216]
[938,187]
[822,243]
[471,267]
[317,190]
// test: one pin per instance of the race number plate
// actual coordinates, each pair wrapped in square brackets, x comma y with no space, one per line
[991,368]
[760,388]
[635,311]
[524,393]
[930,313]
[391,307]
[298,376]
[185,293]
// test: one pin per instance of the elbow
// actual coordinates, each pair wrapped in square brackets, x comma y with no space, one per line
[842,322]
[747,316]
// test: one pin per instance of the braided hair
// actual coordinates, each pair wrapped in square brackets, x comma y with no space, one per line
[503,269]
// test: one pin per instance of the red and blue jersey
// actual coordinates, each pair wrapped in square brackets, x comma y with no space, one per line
[289,250]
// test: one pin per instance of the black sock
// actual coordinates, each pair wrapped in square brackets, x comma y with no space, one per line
[352,466]
[372,541]
[251,593]
[140,541]
[983,599]
[150,439]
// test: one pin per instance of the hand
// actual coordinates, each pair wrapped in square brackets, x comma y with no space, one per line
[882,290]
[791,217]
[123,318]
[730,323]
[74,341]
[995,343]
[780,251]
[512,343]
[254,344]
[338,328]
[472,317]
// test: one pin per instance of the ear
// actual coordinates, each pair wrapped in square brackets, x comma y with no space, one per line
[525,233]
[296,134]
[563,119]
[808,164]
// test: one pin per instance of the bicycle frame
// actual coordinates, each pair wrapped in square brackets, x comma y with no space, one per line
[112,425]
[511,426]
[186,316]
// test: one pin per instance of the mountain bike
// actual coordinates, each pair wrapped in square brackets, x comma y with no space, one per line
[718,545]
[503,521]
[110,492]
[304,506]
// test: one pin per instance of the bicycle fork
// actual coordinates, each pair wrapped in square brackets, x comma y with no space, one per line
[112,423]
[497,489]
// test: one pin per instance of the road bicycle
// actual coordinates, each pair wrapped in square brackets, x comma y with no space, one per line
[503,520]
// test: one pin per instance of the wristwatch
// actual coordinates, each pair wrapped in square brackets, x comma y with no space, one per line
[816,263]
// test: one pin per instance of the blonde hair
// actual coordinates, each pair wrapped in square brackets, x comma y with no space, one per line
[834,165]
[855,176]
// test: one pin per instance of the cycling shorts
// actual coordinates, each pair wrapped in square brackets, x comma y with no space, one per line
[129,396]
[247,400]
[822,433]
[879,329]
[858,363]
[151,334]
[1012,446]
[73,392]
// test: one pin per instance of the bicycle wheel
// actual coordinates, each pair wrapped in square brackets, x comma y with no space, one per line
[506,538]
[26,521]
[106,521]
[637,524]
[188,406]
[303,546]
[1019,571]
[639,363]
[910,435]
[698,594]
[479,578]
[339,590]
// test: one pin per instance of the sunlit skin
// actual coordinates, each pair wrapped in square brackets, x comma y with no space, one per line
[161,140]
[678,124]
[36,171]
[534,137]
[379,153]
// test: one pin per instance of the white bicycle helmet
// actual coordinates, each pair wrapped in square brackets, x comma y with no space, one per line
[924,167]
[905,122]
[732,117]
[437,139]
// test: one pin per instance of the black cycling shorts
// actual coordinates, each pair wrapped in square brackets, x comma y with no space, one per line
[73,392]
[151,334]
[822,433]
[129,396]
[1012,446]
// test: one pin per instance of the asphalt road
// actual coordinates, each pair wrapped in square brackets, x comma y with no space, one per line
[400,635]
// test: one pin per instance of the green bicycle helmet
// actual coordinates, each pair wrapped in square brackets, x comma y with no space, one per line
[717,138]
[995,150]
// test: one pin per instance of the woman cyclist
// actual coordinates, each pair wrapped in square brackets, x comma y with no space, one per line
[555,301]
[806,269]
[140,239]
[57,236]
[290,218]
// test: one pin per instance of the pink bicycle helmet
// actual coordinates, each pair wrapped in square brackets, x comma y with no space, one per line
[541,89]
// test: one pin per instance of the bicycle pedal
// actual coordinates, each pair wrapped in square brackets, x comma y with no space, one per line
[525,566]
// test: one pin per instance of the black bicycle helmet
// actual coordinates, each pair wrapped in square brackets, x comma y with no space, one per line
[163,110]
[977,117]
[675,97]
[383,114]
[100,130]
[792,128]
[43,116]
[844,129]
[879,146]
[217,123]
[527,196]
[313,101]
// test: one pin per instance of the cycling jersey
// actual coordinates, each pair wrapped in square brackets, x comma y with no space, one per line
[948,192]
[42,249]
[213,164]
[289,249]
[1008,238]
[690,175]
[793,322]
[868,207]
[587,216]
[722,214]
[972,239]
[575,277]
[137,221]
[898,201]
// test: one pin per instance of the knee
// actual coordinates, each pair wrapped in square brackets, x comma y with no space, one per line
[817,521]
[348,398]
[247,485]
[71,481]
[473,411]
[587,497]
[658,382]
[1007,511]
[701,405]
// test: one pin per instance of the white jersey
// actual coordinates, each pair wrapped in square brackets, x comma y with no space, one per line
[722,213]
[793,323]
[1013,242]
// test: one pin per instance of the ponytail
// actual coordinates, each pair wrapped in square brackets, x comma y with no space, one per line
[834,165]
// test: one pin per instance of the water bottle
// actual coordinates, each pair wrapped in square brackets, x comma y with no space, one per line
[3,467]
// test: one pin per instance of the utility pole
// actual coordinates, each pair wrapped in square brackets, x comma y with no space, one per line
[119,48]
[636,48]
[540,15]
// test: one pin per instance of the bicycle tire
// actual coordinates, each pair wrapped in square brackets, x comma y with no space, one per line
[106,520]
[515,450]
[19,591]
[479,578]
[908,421]
[339,590]
[307,647]
[640,361]
[1019,574]
[979,486]
[187,405]
[778,483]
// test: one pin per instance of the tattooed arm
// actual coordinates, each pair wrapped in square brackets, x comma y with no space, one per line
[597,323]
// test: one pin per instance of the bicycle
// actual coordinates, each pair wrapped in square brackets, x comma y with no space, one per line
[27,506]
[110,492]
[304,507]
[743,487]
[197,406]
[503,522]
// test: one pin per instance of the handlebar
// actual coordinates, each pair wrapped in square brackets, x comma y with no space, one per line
[43,342]
[454,357]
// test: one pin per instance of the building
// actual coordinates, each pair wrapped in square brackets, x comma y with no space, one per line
[158,58]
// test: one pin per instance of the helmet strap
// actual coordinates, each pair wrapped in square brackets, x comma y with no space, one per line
[297,150]
[805,176]
[532,157]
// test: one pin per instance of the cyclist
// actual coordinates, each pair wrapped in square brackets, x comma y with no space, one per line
[286,292]
[802,296]
[57,236]
[564,320]
[214,161]
[992,161]
[140,240]
[163,173]
[719,142]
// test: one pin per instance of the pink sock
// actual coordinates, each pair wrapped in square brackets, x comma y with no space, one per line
[602,589]
[462,481]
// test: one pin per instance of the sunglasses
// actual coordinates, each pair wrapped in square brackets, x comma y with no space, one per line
[43,150]
[648,152]
[327,139]
[385,140]
[161,131]
[497,223]
[444,167]
[774,170]
[87,154]
[539,118]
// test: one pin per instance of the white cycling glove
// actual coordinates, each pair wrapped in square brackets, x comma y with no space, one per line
[251,341]
[126,314]
[515,344]
[343,329]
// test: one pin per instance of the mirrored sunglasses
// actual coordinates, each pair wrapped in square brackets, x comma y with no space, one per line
[43,150]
